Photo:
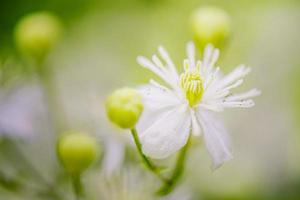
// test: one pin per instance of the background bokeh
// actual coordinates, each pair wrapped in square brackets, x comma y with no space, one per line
[97,54]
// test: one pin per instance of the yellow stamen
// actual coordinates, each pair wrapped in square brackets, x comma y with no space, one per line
[191,84]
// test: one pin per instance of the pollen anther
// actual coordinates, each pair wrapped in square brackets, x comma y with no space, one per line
[191,84]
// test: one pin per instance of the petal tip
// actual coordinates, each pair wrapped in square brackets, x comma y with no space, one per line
[218,164]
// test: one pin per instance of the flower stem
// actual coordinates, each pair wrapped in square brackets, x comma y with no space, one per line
[149,164]
[77,186]
[177,172]
[56,111]
[34,171]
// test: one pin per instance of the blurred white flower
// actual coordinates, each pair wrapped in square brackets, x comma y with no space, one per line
[187,105]
[21,112]
[126,184]
[114,152]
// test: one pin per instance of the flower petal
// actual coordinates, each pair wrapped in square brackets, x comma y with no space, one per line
[156,99]
[216,139]
[156,96]
[167,134]
[210,58]
[114,155]
[165,70]
[242,96]
[190,51]
[236,74]
[164,54]
[196,129]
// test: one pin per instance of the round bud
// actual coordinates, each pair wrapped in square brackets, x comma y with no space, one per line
[124,107]
[210,25]
[77,151]
[37,33]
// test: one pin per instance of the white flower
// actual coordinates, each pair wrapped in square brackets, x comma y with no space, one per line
[22,112]
[186,106]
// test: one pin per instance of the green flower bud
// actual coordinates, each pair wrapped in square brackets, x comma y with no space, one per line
[77,151]
[36,34]
[210,25]
[124,107]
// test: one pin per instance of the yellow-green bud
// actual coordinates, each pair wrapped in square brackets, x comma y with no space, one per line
[77,151]
[124,107]
[210,25]
[37,33]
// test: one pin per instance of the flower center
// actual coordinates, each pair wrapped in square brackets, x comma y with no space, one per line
[191,84]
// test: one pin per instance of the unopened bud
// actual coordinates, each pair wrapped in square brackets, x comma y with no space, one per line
[210,25]
[77,151]
[124,107]
[37,33]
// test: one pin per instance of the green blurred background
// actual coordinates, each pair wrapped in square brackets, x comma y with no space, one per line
[98,54]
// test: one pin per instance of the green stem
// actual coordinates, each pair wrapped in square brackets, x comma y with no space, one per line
[9,183]
[55,107]
[149,164]
[177,172]
[27,163]
[77,186]
[34,171]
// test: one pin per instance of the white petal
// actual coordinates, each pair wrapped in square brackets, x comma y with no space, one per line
[208,51]
[251,93]
[214,58]
[190,50]
[218,94]
[157,96]
[164,54]
[167,134]
[22,112]
[165,70]
[240,100]
[210,58]
[149,116]
[196,129]
[238,104]
[236,74]
[215,137]
[234,85]
[157,61]
[209,97]
[114,155]
[212,106]
[146,63]
[156,99]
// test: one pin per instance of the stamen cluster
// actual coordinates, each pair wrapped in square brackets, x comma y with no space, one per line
[191,84]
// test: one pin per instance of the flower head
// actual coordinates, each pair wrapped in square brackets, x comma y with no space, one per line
[191,84]
[188,103]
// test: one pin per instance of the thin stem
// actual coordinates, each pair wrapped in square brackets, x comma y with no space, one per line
[177,172]
[27,163]
[55,107]
[77,186]
[34,170]
[149,164]
[9,183]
